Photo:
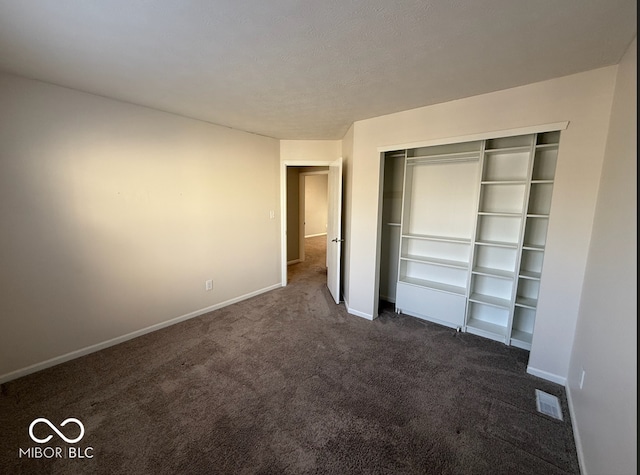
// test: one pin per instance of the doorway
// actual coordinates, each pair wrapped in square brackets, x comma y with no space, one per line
[312,209]
[296,179]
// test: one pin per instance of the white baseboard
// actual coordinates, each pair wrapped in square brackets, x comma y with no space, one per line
[357,313]
[295,261]
[576,433]
[554,378]
[129,336]
[315,235]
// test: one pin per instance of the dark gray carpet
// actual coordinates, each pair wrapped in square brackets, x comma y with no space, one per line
[289,383]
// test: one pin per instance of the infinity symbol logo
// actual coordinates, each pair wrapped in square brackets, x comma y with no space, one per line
[55,429]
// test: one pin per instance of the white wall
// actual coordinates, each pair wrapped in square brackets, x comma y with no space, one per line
[315,204]
[606,343]
[582,99]
[310,150]
[114,215]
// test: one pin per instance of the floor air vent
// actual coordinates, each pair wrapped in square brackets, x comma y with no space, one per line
[548,404]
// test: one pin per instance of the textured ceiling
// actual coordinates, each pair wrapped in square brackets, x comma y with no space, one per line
[306,69]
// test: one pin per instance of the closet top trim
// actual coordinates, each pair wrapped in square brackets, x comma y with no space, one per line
[534,129]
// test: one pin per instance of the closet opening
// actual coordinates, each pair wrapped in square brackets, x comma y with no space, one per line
[392,170]
[462,231]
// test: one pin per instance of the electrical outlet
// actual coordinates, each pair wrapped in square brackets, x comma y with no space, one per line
[208,284]
[272,214]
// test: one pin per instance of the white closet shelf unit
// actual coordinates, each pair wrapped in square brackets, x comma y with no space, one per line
[473,224]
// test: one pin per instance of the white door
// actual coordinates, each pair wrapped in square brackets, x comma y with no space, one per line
[334,228]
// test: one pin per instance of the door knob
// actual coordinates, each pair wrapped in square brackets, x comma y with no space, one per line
[337,240]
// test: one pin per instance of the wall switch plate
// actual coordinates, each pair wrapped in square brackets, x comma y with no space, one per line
[208,284]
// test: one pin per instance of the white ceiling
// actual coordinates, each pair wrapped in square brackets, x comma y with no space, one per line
[297,69]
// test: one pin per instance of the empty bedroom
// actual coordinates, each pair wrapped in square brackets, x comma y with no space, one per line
[298,237]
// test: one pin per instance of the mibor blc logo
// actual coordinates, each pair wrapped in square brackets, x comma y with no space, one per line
[56,452]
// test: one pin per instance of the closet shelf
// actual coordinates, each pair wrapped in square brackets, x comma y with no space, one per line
[503,182]
[490,300]
[426,237]
[452,289]
[509,245]
[498,213]
[524,148]
[526,302]
[486,329]
[443,157]
[533,247]
[435,261]
[542,182]
[521,339]
[530,275]
[490,271]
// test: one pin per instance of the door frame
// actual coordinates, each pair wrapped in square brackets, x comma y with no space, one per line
[283,207]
